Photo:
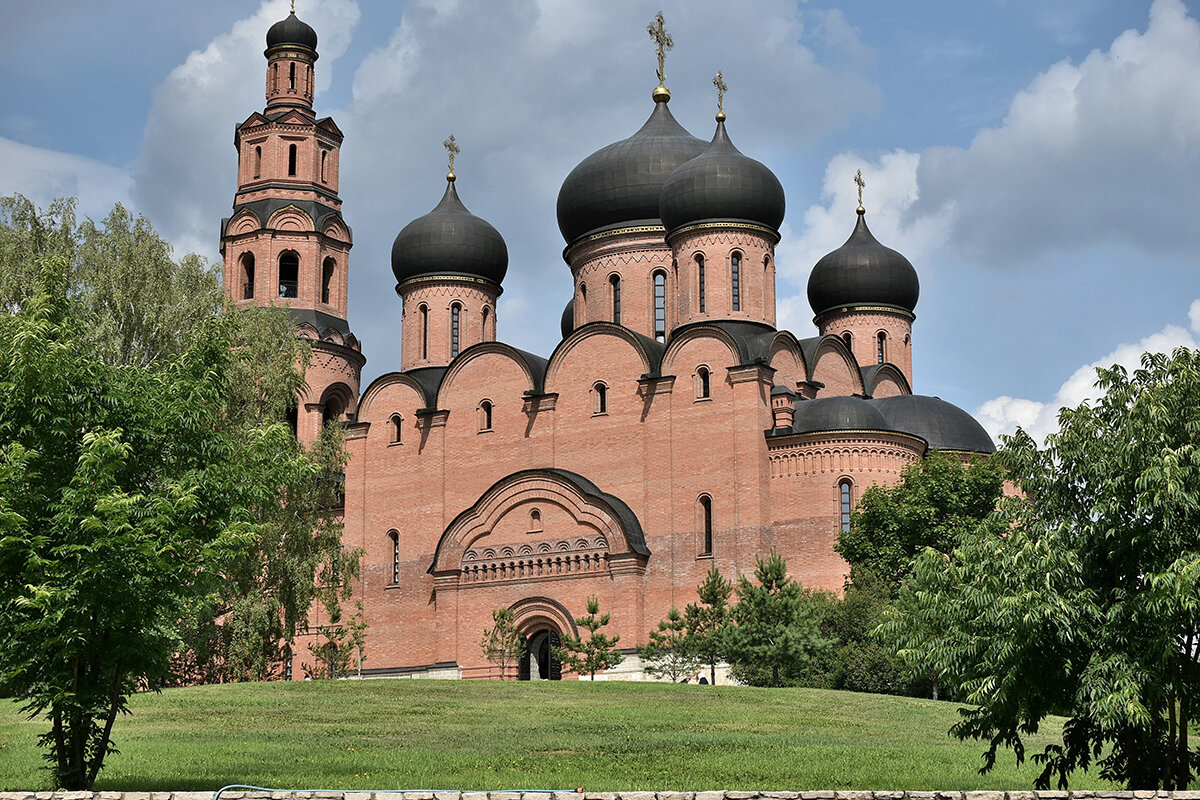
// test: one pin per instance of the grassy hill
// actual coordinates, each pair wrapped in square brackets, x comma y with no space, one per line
[400,734]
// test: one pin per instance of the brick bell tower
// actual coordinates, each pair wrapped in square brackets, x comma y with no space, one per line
[286,243]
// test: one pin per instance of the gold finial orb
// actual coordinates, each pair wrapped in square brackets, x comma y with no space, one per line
[858,178]
[719,82]
[453,149]
[663,43]
[293,6]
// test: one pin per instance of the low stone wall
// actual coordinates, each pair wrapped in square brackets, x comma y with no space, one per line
[545,795]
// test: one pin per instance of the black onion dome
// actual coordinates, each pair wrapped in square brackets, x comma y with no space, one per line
[449,240]
[292,31]
[841,413]
[620,184]
[944,425]
[721,183]
[863,272]
[567,323]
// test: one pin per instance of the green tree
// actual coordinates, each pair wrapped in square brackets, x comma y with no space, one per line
[936,499]
[502,643]
[666,653]
[125,493]
[598,652]
[1083,599]
[776,632]
[705,621]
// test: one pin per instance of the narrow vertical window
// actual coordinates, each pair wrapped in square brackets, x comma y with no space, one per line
[485,415]
[615,280]
[601,394]
[702,383]
[483,324]
[247,276]
[844,499]
[292,160]
[700,273]
[706,520]
[455,320]
[879,340]
[327,278]
[289,275]
[395,537]
[535,521]
[274,78]
[846,339]
[292,77]
[323,154]
[660,306]
[308,86]
[424,331]
[735,276]
[257,161]
[397,428]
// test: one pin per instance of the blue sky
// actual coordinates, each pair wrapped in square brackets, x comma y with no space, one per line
[1037,162]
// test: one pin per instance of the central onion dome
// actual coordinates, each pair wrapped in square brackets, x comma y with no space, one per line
[292,31]
[449,241]
[863,272]
[619,185]
[723,184]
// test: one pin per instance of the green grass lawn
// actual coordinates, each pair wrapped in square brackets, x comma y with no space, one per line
[402,734]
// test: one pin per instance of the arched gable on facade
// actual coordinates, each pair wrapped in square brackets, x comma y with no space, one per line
[884,380]
[831,363]
[410,380]
[650,351]
[787,359]
[534,367]
[291,218]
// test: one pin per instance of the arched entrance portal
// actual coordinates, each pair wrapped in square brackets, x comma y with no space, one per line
[541,662]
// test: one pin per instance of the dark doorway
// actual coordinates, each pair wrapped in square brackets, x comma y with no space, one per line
[540,662]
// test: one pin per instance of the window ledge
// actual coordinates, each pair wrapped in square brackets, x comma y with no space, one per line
[395,444]
[704,399]
[705,557]
[599,413]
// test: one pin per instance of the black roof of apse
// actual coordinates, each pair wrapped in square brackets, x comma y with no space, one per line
[860,272]
[721,183]
[449,240]
[944,425]
[620,184]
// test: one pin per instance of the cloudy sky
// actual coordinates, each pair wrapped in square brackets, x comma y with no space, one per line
[1037,162]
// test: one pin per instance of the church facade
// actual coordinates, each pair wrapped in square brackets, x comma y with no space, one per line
[673,428]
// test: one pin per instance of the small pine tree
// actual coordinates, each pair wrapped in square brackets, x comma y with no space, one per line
[665,653]
[503,644]
[598,652]
[705,621]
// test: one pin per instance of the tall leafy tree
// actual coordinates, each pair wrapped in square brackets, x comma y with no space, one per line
[936,499]
[777,627]
[502,643]
[1083,599]
[666,653]
[125,494]
[705,621]
[596,653]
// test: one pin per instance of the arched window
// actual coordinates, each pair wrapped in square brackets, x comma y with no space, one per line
[660,305]
[424,330]
[735,277]
[323,154]
[289,275]
[844,503]
[700,273]
[397,428]
[257,161]
[535,521]
[308,86]
[292,160]
[846,338]
[706,523]
[395,537]
[485,415]
[274,78]
[703,384]
[334,410]
[483,323]
[600,392]
[292,77]
[293,420]
[327,278]
[455,322]
[247,276]
[880,338]
[615,282]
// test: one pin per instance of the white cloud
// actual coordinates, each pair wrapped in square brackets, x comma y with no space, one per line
[43,175]
[1004,414]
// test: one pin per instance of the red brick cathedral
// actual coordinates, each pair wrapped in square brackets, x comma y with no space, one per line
[673,427]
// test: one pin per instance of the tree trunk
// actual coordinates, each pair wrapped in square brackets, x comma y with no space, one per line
[712,673]
[775,675]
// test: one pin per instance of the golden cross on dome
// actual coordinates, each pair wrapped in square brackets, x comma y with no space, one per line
[658,32]
[858,178]
[453,149]
[719,82]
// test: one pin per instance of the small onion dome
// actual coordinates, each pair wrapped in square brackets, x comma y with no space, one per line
[619,184]
[841,413]
[449,240]
[863,272]
[292,31]
[944,425]
[721,183]
[567,324]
